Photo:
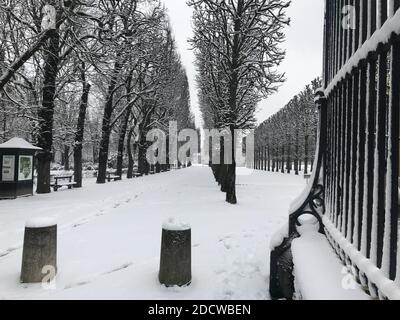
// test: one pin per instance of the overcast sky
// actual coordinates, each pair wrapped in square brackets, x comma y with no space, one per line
[303,48]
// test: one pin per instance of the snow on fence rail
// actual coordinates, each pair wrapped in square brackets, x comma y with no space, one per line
[355,187]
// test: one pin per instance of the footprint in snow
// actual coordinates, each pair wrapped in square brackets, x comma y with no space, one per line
[227,245]
[8,251]
[77,284]
[120,268]
[81,223]
[225,238]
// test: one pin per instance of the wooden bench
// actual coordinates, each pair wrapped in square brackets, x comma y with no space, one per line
[62,181]
[307,177]
[137,175]
[113,177]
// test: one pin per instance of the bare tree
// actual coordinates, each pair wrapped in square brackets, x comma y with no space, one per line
[237,50]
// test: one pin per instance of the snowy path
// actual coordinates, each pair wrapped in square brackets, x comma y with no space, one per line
[109,236]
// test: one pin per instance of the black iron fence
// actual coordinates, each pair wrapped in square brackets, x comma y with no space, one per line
[354,190]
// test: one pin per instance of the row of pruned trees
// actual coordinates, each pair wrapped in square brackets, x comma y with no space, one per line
[98,72]
[237,48]
[286,141]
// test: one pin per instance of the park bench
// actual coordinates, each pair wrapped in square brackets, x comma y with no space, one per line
[137,175]
[62,181]
[113,177]
[307,177]
[353,193]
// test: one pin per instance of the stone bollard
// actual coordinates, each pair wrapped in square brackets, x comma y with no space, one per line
[39,256]
[175,260]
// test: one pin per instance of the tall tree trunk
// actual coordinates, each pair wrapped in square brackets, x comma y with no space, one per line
[222,172]
[296,163]
[121,141]
[265,158]
[124,128]
[233,88]
[306,155]
[283,160]
[231,174]
[2,108]
[273,159]
[143,165]
[289,159]
[131,156]
[46,113]
[66,157]
[106,127]
[80,130]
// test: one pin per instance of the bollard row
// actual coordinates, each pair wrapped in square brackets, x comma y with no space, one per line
[39,257]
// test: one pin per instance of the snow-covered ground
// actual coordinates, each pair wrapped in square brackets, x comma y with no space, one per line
[109,236]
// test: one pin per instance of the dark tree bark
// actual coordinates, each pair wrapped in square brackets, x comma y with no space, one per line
[289,159]
[46,113]
[233,88]
[121,141]
[124,128]
[143,165]
[80,130]
[306,151]
[296,162]
[131,153]
[265,158]
[222,171]
[106,126]
[66,157]
[231,175]
[273,159]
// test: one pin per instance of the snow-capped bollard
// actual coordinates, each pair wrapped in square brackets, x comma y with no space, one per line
[175,260]
[39,256]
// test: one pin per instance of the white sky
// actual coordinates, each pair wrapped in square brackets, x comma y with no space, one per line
[303,48]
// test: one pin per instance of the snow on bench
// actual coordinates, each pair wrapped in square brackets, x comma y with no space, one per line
[319,274]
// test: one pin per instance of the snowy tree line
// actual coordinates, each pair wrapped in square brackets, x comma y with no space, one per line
[286,141]
[237,48]
[95,74]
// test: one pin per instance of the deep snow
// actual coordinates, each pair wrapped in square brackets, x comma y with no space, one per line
[109,236]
